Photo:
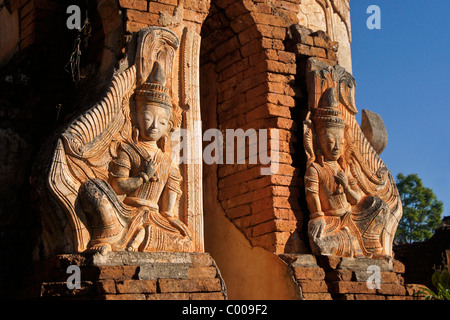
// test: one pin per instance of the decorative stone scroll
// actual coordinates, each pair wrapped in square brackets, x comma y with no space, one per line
[352,198]
[114,179]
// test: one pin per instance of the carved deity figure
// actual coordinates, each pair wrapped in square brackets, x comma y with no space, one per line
[353,202]
[114,181]
[134,211]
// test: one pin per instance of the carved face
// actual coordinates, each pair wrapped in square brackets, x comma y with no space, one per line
[331,141]
[153,121]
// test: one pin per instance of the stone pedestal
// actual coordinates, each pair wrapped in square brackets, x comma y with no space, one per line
[127,276]
[336,278]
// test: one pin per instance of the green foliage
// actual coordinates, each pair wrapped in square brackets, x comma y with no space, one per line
[422,211]
[441,281]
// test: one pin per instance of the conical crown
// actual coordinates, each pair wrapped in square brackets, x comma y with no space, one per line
[154,89]
[328,114]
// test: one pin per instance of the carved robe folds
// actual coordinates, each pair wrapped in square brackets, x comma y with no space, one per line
[353,201]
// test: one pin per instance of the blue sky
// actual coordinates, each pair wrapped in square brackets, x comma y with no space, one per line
[402,72]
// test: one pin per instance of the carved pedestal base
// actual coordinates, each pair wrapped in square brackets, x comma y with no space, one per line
[336,278]
[128,276]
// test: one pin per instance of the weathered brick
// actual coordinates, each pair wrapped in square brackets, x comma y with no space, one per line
[369,297]
[276,225]
[398,266]
[317,296]
[305,273]
[313,286]
[339,275]
[117,272]
[140,5]
[133,26]
[269,19]
[157,8]
[249,34]
[350,287]
[274,32]
[206,296]
[145,18]
[189,285]
[321,42]
[56,289]
[392,289]
[105,287]
[202,272]
[136,286]
[125,297]
[168,296]
[318,52]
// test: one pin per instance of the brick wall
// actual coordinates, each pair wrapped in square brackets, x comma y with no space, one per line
[197,278]
[334,278]
[257,61]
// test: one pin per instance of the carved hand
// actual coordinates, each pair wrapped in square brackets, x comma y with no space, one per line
[342,179]
[316,227]
[150,168]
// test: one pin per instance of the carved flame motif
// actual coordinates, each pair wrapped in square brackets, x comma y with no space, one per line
[353,200]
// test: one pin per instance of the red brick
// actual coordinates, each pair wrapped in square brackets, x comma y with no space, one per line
[249,34]
[235,68]
[331,55]
[117,272]
[194,16]
[276,225]
[369,297]
[227,47]
[105,286]
[202,272]
[201,260]
[140,5]
[136,286]
[402,298]
[317,296]
[189,285]
[392,289]
[321,42]
[269,43]
[280,99]
[194,5]
[398,266]
[206,296]
[125,297]
[239,211]
[339,275]
[313,286]
[228,60]
[269,19]
[274,32]
[242,22]
[310,273]
[168,296]
[391,277]
[133,26]
[318,52]
[145,18]
[157,8]
[350,287]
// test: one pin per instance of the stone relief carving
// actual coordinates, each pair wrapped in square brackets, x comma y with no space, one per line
[113,172]
[352,198]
